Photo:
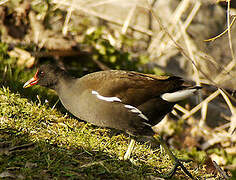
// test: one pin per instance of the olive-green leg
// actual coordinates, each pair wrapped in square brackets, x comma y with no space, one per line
[130,149]
[177,162]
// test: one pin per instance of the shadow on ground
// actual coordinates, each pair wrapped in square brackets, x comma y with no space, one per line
[22,158]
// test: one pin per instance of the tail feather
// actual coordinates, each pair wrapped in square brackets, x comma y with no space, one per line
[180,95]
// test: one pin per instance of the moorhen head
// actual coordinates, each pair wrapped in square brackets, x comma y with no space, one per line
[129,101]
[47,76]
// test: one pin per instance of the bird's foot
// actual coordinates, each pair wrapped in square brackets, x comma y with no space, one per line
[178,163]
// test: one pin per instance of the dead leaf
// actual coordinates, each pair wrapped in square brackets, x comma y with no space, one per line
[24,57]
[210,166]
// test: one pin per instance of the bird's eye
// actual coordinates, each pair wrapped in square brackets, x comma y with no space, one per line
[41,73]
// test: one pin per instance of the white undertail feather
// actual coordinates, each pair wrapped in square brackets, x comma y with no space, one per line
[178,95]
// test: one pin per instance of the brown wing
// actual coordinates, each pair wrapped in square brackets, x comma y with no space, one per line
[131,87]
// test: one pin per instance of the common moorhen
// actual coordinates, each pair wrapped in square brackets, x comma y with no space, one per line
[124,100]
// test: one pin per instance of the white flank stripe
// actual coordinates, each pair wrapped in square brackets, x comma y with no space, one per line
[136,110]
[147,124]
[109,99]
[130,107]
[178,95]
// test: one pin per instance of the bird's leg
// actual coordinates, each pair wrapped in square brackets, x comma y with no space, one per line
[130,149]
[177,162]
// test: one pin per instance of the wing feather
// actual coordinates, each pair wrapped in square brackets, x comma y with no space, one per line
[131,87]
